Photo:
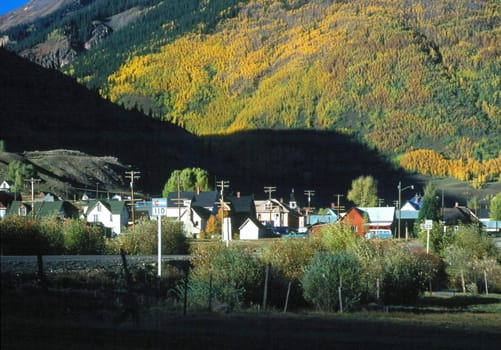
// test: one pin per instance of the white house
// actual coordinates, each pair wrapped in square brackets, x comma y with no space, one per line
[277,214]
[6,185]
[252,229]
[111,214]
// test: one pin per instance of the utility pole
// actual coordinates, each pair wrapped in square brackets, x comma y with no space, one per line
[270,190]
[132,175]
[338,207]
[222,184]
[33,180]
[400,189]
[309,193]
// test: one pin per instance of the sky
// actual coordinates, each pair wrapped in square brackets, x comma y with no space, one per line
[11,5]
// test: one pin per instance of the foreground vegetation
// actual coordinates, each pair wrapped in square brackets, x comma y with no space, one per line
[286,293]
[334,271]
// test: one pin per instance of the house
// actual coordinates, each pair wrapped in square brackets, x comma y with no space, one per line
[6,198]
[46,197]
[252,229]
[413,204]
[489,225]
[3,210]
[192,208]
[6,185]
[276,213]
[363,219]
[202,206]
[113,215]
[58,209]
[329,217]
[241,208]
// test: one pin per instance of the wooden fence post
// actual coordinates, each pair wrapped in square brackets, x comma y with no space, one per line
[265,291]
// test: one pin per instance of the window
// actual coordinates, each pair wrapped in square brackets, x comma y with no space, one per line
[96,218]
[98,207]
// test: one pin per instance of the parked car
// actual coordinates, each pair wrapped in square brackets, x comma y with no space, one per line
[294,234]
[379,234]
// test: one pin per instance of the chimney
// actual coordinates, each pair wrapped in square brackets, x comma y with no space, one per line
[238,194]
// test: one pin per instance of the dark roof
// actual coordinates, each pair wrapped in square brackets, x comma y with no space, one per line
[202,212]
[241,204]
[458,215]
[172,198]
[45,209]
[206,199]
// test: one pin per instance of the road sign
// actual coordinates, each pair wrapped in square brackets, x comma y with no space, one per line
[428,224]
[159,211]
[159,202]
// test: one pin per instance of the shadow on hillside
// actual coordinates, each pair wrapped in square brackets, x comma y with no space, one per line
[44,109]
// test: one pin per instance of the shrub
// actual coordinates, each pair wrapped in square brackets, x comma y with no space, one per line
[81,238]
[326,272]
[142,239]
[51,230]
[21,236]
[339,237]
[468,249]
[230,275]
[405,275]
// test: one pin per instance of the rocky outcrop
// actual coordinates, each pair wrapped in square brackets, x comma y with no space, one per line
[51,54]
[99,32]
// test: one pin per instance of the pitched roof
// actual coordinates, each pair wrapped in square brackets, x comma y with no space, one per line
[459,215]
[115,207]
[45,209]
[380,214]
[241,204]
[205,199]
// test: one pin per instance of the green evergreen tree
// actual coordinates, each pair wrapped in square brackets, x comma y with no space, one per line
[17,172]
[430,207]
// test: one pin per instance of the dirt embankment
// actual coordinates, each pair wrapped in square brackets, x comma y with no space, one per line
[64,172]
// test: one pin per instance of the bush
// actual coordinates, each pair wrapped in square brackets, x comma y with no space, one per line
[142,239]
[52,232]
[326,273]
[288,259]
[81,238]
[405,275]
[340,237]
[21,236]
[466,254]
[230,275]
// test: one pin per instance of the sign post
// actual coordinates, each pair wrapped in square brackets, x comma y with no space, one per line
[159,209]
[428,224]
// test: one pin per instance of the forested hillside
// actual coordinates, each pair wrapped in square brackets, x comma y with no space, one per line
[404,77]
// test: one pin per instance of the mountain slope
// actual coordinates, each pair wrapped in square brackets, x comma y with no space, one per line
[396,75]
[44,110]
